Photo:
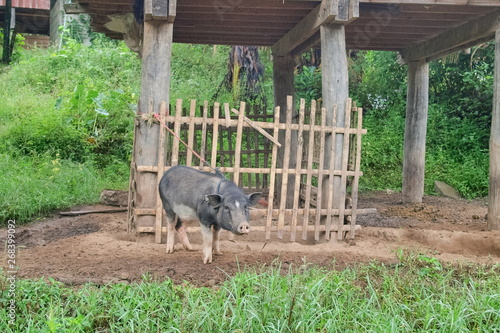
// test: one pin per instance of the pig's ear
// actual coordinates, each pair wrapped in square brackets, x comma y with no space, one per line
[254,198]
[213,199]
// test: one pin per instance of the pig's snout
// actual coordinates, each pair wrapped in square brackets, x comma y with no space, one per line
[244,228]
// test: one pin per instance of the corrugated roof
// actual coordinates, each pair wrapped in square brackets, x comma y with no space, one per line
[32,4]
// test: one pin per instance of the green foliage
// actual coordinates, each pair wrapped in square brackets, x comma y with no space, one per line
[308,83]
[418,294]
[39,184]
[458,120]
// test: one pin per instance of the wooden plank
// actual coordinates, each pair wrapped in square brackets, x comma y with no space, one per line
[298,175]
[415,132]
[493,222]
[357,169]
[161,164]
[310,158]
[345,161]
[239,136]
[489,3]
[172,10]
[462,37]
[215,135]
[192,114]
[177,131]
[320,176]
[328,222]
[286,161]
[95,211]
[307,27]
[272,181]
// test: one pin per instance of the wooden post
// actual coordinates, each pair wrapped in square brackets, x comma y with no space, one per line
[6,32]
[155,88]
[283,82]
[494,195]
[415,131]
[335,82]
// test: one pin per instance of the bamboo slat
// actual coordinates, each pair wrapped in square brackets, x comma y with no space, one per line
[355,183]
[161,162]
[192,114]
[310,157]
[345,161]
[286,163]
[215,135]
[203,147]
[298,175]
[321,167]
[274,159]
[239,137]
[328,222]
[177,131]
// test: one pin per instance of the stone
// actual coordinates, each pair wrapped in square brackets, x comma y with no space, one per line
[446,190]
[114,198]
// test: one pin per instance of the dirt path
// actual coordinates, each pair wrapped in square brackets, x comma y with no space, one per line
[97,248]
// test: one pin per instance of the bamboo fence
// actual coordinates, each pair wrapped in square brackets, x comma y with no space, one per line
[245,148]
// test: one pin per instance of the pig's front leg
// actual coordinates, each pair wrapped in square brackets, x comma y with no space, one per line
[170,235]
[216,237]
[206,232]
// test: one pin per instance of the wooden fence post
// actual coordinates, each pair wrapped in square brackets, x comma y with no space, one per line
[494,195]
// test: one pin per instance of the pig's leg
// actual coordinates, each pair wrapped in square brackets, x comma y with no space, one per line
[181,229]
[170,234]
[206,232]
[216,236]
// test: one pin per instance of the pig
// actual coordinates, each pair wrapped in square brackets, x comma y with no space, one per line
[217,203]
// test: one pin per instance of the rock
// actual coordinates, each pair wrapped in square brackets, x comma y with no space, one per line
[114,198]
[446,190]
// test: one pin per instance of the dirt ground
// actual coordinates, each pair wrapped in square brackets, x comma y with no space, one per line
[97,248]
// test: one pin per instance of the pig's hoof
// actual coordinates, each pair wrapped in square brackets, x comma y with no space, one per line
[170,250]
[188,247]
[207,260]
[217,253]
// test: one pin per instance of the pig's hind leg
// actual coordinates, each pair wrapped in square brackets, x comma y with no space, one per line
[181,230]
[170,233]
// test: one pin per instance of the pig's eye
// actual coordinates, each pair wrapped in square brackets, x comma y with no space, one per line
[226,208]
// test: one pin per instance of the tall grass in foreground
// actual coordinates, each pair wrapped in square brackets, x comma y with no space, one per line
[419,295]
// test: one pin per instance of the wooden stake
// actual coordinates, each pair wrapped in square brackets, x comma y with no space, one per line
[345,161]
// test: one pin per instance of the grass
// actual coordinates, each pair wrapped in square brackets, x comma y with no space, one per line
[417,295]
[37,185]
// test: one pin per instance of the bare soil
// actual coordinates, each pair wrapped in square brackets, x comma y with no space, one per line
[97,248]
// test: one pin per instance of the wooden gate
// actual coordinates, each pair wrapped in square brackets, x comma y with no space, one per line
[245,148]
